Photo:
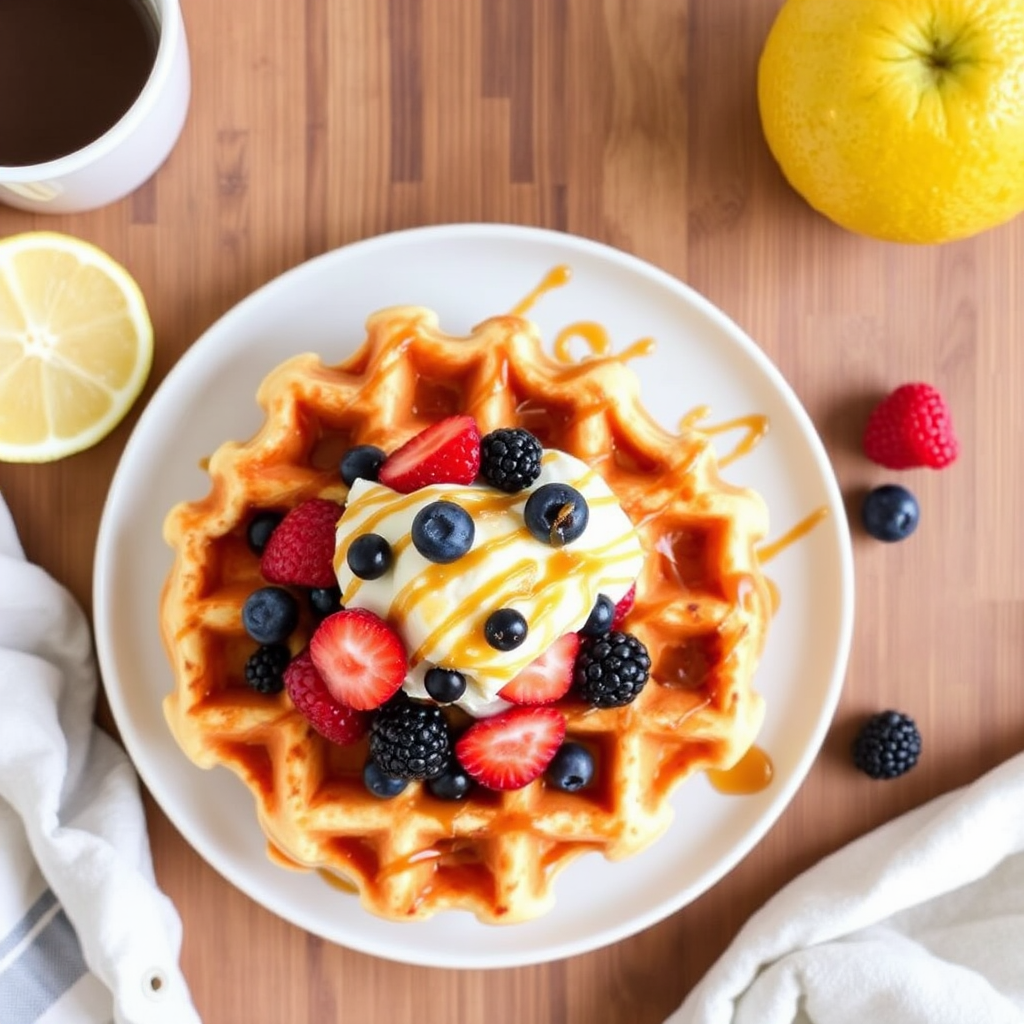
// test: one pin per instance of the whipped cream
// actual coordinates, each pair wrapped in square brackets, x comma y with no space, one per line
[440,610]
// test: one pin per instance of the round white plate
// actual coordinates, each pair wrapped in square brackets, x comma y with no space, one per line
[466,273]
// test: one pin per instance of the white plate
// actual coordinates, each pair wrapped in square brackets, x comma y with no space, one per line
[468,272]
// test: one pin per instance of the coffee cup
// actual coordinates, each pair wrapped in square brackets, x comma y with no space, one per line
[93,97]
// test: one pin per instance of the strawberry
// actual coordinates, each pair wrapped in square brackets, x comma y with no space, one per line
[511,749]
[912,427]
[312,699]
[447,452]
[624,607]
[546,678]
[300,551]
[360,657]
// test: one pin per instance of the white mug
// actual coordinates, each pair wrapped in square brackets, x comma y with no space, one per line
[129,153]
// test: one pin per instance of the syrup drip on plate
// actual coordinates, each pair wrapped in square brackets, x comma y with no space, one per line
[767,552]
[556,277]
[751,774]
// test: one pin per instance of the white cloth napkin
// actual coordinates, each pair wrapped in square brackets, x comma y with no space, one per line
[85,935]
[918,922]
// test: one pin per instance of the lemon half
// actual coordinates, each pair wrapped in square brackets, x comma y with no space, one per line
[76,345]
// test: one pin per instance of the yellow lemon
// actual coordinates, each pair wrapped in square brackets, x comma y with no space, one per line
[76,345]
[899,119]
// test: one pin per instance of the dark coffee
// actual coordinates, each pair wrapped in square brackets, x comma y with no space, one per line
[69,70]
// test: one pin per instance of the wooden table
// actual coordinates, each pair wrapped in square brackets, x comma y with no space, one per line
[316,124]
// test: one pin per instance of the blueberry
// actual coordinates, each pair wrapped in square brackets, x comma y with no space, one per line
[445,685]
[571,768]
[325,600]
[369,556]
[890,513]
[270,614]
[379,784]
[442,531]
[556,514]
[362,462]
[452,784]
[600,619]
[505,629]
[261,526]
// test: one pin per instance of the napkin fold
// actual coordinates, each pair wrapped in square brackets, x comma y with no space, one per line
[85,934]
[918,922]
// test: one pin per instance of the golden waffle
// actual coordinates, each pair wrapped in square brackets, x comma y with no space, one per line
[702,608]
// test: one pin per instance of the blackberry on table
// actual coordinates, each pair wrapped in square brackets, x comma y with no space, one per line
[887,746]
[264,671]
[510,459]
[611,670]
[409,740]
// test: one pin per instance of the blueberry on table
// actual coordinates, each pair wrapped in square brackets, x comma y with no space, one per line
[890,513]
[362,462]
[505,629]
[571,769]
[270,614]
[369,556]
[443,532]
[556,514]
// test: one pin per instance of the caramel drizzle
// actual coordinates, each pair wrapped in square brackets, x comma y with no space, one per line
[556,277]
[767,552]
[754,427]
[752,773]
[598,341]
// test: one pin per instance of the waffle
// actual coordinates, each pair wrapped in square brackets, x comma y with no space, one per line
[702,609]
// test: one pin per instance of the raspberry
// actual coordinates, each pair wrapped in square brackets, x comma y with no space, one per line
[510,459]
[409,740]
[911,427]
[300,551]
[611,670]
[312,699]
[887,746]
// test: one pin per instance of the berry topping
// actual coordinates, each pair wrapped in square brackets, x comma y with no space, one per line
[556,514]
[445,685]
[361,463]
[261,526]
[611,670]
[369,556]
[300,551]
[505,629]
[624,607]
[264,671]
[890,513]
[511,749]
[601,616]
[572,768]
[360,657]
[911,427]
[452,784]
[409,740]
[270,614]
[380,784]
[887,745]
[510,459]
[548,677]
[447,452]
[324,600]
[442,532]
[312,699]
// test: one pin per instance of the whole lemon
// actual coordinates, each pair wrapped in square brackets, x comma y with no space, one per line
[899,119]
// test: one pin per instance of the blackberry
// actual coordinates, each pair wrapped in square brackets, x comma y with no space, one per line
[611,670]
[409,740]
[887,746]
[510,459]
[264,671]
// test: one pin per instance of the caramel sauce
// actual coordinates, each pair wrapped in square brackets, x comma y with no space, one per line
[751,774]
[754,427]
[556,277]
[597,340]
[337,882]
[767,552]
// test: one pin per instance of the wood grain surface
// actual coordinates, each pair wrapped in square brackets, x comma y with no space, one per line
[633,122]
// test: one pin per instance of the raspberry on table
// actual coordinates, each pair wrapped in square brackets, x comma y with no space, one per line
[887,746]
[911,427]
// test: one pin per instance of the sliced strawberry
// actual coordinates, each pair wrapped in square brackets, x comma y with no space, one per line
[447,452]
[360,657]
[624,607]
[300,551]
[312,699]
[546,678]
[512,749]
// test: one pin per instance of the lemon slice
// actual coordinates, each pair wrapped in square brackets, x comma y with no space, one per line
[76,345]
